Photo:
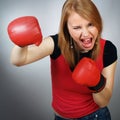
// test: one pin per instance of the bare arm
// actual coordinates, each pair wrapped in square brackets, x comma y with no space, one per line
[26,55]
[103,97]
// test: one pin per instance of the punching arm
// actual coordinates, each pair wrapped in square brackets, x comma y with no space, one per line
[30,46]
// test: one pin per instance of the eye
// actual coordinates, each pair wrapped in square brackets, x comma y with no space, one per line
[90,24]
[77,27]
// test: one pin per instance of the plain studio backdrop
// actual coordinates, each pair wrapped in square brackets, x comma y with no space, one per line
[25,92]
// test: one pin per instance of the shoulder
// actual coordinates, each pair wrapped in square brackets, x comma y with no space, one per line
[109,46]
[110,53]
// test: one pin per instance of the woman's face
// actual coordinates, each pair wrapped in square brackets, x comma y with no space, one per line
[83,32]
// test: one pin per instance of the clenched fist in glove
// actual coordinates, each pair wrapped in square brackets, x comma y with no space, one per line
[87,73]
[25,31]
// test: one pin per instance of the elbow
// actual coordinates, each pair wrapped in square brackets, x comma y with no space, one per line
[103,104]
[102,101]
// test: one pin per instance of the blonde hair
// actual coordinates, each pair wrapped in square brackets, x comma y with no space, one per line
[87,10]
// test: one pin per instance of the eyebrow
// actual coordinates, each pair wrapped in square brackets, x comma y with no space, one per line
[76,26]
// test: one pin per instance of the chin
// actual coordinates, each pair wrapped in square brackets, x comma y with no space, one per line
[88,49]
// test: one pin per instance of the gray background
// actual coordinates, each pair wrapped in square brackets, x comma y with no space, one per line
[25,92]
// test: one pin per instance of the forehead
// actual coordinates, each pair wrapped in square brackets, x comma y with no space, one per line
[74,18]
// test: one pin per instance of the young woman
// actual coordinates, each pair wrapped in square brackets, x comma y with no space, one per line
[79,37]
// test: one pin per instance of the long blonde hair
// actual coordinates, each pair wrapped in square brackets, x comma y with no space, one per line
[87,10]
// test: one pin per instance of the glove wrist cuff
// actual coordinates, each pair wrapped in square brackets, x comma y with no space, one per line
[100,85]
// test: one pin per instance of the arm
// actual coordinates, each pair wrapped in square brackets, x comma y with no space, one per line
[25,55]
[86,73]
[26,32]
[102,98]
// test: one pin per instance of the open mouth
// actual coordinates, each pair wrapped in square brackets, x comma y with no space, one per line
[86,43]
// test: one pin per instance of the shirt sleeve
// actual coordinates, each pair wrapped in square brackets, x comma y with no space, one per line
[110,53]
[56,51]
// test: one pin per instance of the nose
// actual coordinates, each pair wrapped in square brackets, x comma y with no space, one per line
[84,32]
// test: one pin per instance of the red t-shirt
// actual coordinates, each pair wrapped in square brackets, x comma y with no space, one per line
[70,99]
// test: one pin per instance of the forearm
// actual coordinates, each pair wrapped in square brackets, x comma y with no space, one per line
[102,98]
[18,55]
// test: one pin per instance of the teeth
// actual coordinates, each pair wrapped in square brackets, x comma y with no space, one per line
[86,40]
[86,43]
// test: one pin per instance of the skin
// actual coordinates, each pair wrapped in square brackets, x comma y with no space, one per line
[84,33]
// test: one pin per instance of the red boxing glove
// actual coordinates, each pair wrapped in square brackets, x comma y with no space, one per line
[25,31]
[87,73]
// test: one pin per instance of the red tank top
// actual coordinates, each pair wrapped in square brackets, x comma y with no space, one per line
[70,99]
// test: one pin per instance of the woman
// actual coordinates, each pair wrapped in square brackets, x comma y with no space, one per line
[79,37]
